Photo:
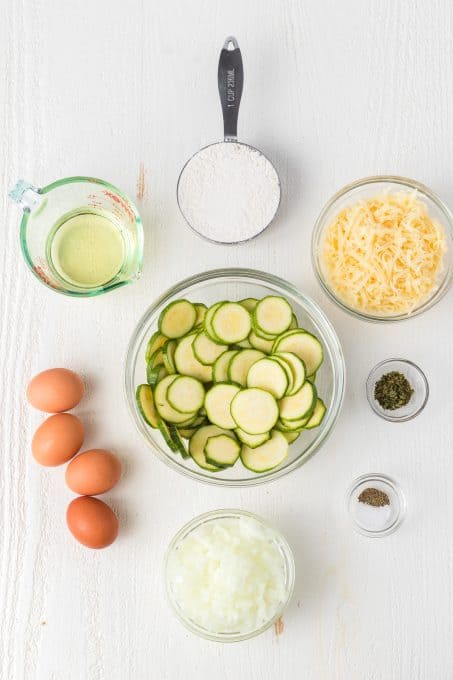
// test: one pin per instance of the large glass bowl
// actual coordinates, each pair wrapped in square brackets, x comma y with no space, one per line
[365,189]
[287,561]
[236,284]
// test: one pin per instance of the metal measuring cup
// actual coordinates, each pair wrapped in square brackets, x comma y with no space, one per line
[230,84]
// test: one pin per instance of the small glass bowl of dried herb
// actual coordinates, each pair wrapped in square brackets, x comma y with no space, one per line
[397,390]
[376,505]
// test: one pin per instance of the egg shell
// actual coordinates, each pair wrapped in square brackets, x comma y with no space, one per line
[93,472]
[92,522]
[58,439]
[55,390]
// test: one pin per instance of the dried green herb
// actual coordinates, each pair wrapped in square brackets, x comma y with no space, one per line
[374,497]
[393,391]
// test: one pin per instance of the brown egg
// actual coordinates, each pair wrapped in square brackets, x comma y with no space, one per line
[55,390]
[58,439]
[92,522]
[93,472]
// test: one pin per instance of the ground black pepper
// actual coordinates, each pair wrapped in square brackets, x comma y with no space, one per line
[374,497]
[393,391]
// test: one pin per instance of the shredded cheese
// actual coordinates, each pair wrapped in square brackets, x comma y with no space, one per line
[228,575]
[383,255]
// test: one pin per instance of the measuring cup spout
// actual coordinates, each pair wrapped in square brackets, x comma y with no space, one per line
[26,195]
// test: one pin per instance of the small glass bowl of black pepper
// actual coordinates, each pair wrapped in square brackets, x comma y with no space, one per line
[397,390]
[376,505]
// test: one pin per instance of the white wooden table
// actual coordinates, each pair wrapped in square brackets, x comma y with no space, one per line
[333,91]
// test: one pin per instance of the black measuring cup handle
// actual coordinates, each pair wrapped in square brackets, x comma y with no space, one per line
[230,78]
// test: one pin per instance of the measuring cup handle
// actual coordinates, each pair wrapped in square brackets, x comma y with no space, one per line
[230,79]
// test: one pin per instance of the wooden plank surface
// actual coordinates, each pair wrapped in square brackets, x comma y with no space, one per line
[127,91]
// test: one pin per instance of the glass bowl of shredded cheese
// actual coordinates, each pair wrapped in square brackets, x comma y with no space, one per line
[229,575]
[382,248]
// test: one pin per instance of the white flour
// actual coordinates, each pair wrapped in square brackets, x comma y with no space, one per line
[228,192]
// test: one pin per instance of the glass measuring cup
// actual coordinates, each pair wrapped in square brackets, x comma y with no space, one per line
[229,192]
[80,236]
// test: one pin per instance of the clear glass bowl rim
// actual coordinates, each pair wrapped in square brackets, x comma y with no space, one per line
[369,391]
[320,225]
[371,477]
[289,569]
[312,309]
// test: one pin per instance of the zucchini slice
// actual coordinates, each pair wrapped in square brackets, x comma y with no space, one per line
[156,358]
[168,356]
[254,411]
[272,315]
[187,363]
[220,368]
[299,405]
[291,436]
[164,409]
[260,343]
[252,440]
[166,434]
[286,367]
[198,442]
[177,319]
[177,440]
[155,342]
[218,404]
[206,350]
[208,319]
[317,416]
[155,373]
[297,367]
[201,310]
[231,323]
[268,375]
[222,450]
[185,394]
[302,344]
[241,363]
[146,405]
[292,425]
[186,432]
[294,323]
[249,303]
[267,456]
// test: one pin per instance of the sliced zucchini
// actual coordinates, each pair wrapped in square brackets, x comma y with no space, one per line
[302,344]
[293,323]
[208,319]
[198,442]
[222,450]
[299,405]
[297,367]
[291,436]
[254,411]
[176,437]
[292,425]
[156,358]
[261,334]
[218,404]
[165,410]
[177,319]
[201,310]
[155,373]
[156,341]
[244,344]
[166,434]
[168,355]
[206,350]
[267,456]
[146,405]
[231,322]
[317,416]
[286,367]
[249,303]
[185,394]
[186,362]
[252,440]
[268,375]
[220,368]
[259,343]
[272,315]
[241,363]
[187,432]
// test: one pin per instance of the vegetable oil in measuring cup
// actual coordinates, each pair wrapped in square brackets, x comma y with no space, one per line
[86,248]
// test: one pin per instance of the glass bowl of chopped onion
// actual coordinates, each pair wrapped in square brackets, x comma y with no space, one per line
[232,284]
[229,575]
[382,248]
